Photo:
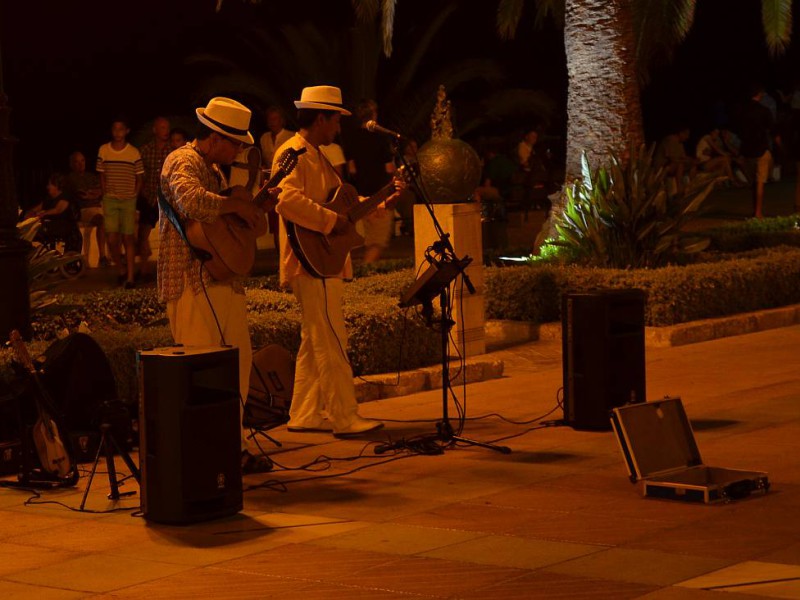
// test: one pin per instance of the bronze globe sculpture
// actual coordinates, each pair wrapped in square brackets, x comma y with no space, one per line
[449,168]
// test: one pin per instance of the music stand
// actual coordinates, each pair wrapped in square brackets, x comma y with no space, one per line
[435,281]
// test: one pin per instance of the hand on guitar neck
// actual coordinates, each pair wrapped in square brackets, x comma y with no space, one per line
[399,183]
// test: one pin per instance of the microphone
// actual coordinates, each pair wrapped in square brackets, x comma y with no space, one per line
[373,127]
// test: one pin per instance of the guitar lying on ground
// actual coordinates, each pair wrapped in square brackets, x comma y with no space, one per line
[52,452]
[324,255]
[230,242]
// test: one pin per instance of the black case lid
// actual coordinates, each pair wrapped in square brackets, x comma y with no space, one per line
[655,437]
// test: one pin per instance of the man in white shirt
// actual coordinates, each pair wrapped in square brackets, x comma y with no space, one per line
[324,395]
[275,136]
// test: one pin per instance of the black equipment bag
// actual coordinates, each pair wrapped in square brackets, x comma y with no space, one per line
[271,384]
[79,378]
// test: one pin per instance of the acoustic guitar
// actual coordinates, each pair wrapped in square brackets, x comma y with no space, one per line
[324,255]
[229,240]
[46,438]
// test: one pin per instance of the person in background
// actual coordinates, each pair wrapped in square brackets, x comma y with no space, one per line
[153,154]
[370,166]
[671,155]
[120,167]
[84,189]
[755,126]
[275,137]
[58,216]
[712,157]
[335,155]
[177,138]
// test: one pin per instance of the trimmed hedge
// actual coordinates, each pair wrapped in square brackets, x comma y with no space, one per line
[756,233]
[762,279]
[379,331]
[124,321]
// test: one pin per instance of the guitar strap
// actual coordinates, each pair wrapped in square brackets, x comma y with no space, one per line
[173,218]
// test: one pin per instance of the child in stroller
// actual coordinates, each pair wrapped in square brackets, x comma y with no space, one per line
[59,225]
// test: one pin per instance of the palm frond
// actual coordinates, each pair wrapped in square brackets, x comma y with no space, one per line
[660,26]
[554,9]
[366,10]
[776,16]
[421,47]
[387,26]
[509,13]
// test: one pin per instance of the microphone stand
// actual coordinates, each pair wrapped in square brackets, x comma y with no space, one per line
[436,281]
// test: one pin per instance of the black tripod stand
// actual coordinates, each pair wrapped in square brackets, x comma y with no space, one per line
[443,269]
[108,444]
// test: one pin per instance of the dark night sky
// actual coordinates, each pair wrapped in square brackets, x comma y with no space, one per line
[69,67]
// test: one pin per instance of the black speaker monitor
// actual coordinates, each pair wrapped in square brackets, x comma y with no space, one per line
[603,354]
[190,433]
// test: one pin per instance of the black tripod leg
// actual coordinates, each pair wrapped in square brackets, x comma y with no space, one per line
[94,469]
[112,470]
[501,449]
[109,444]
[128,460]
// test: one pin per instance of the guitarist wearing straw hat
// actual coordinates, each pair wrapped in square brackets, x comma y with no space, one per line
[201,310]
[324,395]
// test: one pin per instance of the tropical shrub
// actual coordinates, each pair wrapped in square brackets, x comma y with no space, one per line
[624,216]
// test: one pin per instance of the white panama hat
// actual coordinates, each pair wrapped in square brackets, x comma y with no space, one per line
[228,117]
[324,97]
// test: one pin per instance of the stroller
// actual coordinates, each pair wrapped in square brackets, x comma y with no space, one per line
[56,248]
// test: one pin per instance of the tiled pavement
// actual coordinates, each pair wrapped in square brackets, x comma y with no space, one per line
[555,518]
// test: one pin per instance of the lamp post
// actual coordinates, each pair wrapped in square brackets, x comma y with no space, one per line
[15,308]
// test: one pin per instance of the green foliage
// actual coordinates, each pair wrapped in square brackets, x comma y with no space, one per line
[391,284]
[776,16]
[522,293]
[756,233]
[382,337]
[623,216]
[756,280]
[388,265]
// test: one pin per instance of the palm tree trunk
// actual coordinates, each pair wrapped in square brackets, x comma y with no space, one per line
[603,108]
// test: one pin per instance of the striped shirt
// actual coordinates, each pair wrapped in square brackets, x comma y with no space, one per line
[192,188]
[120,168]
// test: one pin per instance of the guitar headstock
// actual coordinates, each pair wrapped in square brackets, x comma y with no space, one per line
[287,161]
[20,351]
[403,178]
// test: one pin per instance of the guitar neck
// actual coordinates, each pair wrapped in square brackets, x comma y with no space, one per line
[287,162]
[24,358]
[263,194]
[362,209]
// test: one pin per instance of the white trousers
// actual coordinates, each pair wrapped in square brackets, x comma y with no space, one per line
[192,323]
[323,380]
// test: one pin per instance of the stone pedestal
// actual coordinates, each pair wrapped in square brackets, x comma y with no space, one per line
[463,223]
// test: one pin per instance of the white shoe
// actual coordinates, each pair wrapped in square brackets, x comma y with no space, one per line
[320,426]
[358,425]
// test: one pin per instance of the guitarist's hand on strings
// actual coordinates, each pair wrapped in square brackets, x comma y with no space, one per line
[342,224]
[244,209]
